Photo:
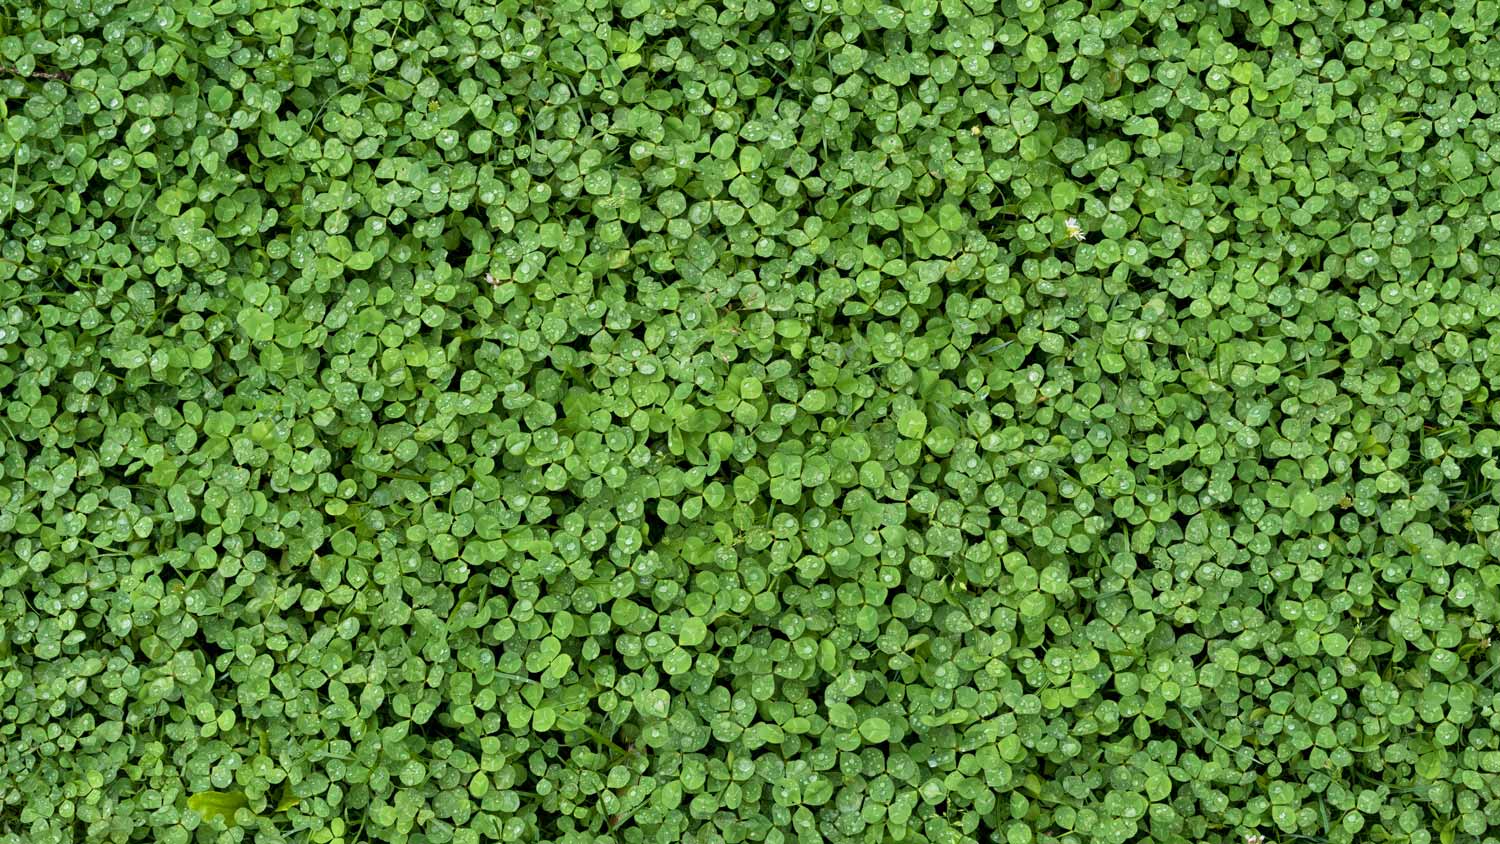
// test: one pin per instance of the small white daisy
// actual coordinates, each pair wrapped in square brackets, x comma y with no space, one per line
[1075,230]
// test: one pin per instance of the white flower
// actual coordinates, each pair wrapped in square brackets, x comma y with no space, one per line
[490,277]
[1075,231]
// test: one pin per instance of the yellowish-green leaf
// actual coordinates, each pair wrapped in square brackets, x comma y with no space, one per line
[221,803]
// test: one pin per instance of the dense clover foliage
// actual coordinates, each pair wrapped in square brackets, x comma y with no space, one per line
[666,421]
